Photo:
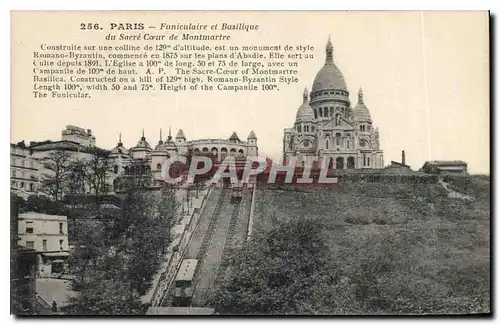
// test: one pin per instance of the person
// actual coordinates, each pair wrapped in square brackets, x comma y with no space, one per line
[54,306]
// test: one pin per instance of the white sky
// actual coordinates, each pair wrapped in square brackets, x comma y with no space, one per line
[425,80]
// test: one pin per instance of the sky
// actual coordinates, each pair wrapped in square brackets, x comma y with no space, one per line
[425,79]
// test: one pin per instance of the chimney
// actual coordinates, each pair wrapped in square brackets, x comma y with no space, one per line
[403,157]
[89,131]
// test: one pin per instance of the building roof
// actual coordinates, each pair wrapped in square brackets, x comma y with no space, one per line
[252,135]
[398,164]
[41,216]
[330,76]
[57,145]
[234,137]
[446,162]
[186,271]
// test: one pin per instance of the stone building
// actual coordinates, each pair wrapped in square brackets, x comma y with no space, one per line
[445,167]
[23,170]
[327,128]
[48,236]
[27,162]
[152,159]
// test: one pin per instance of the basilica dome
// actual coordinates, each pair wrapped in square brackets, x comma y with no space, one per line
[329,77]
[361,112]
[305,112]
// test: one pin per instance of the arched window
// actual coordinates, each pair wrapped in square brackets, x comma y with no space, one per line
[299,129]
[320,111]
[315,114]
[337,139]
[158,166]
[368,161]
[364,159]
[115,169]
[331,111]
[326,143]
[325,112]
[347,143]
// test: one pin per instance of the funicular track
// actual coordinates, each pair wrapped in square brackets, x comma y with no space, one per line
[204,230]
[228,243]
[214,220]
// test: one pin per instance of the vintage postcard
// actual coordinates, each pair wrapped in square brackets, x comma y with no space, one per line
[250,163]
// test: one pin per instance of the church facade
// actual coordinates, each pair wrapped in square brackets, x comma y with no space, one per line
[328,129]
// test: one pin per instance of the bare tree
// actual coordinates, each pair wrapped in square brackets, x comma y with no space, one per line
[95,170]
[55,182]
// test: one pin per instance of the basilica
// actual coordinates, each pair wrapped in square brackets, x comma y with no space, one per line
[327,128]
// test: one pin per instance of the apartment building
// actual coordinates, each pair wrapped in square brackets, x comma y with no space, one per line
[48,236]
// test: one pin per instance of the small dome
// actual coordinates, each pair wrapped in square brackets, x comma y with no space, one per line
[160,146]
[119,149]
[142,143]
[329,77]
[305,112]
[170,144]
[361,112]
[180,134]
[252,135]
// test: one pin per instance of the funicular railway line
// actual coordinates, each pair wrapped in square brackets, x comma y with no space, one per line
[210,262]
[228,243]
[223,225]
[211,228]
[212,210]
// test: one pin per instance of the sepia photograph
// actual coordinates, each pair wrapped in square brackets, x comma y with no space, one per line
[237,163]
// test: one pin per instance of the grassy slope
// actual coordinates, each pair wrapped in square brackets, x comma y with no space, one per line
[399,248]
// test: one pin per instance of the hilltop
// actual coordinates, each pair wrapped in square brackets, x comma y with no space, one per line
[393,248]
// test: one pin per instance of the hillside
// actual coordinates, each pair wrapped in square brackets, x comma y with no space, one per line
[397,248]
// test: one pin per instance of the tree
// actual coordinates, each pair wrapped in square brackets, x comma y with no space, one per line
[104,290]
[167,210]
[95,171]
[55,182]
[42,204]
[286,270]
[77,177]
